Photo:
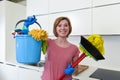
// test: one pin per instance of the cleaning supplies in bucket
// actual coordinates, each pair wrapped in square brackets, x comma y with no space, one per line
[29,43]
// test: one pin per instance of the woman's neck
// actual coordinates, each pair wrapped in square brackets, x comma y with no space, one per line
[62,42]
[61,39]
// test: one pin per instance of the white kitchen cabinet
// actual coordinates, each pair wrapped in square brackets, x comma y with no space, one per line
[44,22]
[2,31]
[80,20]
[10,13]
[11,71]
[36,7]
[66,5]
[2,76]
[45,11]
[106,20]
[26,73]
[104,2]
[8,72]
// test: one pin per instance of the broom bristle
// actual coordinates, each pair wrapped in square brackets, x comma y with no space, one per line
[91,49]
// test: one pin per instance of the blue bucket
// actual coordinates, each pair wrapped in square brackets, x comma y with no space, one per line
[28,50]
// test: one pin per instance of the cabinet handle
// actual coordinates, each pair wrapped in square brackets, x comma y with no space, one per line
[1,62]
[28,68]
[11,65]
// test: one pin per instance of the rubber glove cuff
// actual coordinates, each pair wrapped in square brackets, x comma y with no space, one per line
[69,70]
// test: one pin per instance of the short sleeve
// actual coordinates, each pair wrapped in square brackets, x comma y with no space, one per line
[48,41]
[77,51]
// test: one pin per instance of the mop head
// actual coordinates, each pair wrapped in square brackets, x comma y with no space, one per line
[92,46]
[39,34]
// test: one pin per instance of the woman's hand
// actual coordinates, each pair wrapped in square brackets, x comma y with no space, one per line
[69,70]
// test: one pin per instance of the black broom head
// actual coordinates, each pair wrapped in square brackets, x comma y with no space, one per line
[91,49]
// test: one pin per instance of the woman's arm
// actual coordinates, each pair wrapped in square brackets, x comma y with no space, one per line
[76,67]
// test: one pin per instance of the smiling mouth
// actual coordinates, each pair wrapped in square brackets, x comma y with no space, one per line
[63,31]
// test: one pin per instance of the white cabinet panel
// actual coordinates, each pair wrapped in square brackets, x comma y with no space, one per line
[43,21]
[2,73]
[104,2]
[25,73]
[2,31]
[35,7]
[65,5]
[9,72]
[10,13]
[80,20]
[106,20]
[14,12]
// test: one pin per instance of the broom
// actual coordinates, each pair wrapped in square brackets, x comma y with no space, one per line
[88,50]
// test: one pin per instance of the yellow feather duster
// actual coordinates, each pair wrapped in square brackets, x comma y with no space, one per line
[39,34]
[97,41]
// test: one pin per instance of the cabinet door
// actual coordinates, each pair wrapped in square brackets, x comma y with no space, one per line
[2,31]
[2,74]
[80,20]
[44,22]
[35,7]
[106,20]
[65,5]
[13,13]
[104,2]
[25,73]
[9,72]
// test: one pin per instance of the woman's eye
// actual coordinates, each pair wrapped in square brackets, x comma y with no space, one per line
[65,25]
[59,25]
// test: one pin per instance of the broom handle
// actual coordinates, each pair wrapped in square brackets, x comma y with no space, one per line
[82,56]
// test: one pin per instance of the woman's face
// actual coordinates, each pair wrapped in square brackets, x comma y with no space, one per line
[62,28]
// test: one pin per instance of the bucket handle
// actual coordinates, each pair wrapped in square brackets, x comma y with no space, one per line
[26,20]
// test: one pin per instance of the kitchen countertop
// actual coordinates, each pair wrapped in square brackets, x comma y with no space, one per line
[85,74]
[39,67]
[82,76]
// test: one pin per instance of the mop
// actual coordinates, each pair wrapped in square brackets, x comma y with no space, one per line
[90,48]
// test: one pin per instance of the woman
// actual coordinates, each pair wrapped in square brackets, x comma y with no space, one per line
[60,52]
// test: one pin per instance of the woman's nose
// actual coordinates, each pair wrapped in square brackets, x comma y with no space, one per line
[62,27]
